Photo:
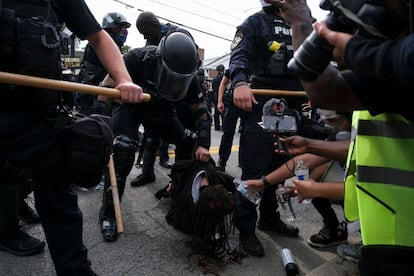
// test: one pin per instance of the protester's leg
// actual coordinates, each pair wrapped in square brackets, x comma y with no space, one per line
[333,232]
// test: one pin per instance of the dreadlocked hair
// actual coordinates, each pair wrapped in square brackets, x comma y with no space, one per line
[213,220]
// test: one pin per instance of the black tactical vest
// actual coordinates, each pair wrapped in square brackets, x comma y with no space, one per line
[30,44]
[270,63]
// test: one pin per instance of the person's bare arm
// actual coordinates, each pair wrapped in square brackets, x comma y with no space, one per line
[287,170]
[295,145]
[112,60]
[223,85]
[308,189]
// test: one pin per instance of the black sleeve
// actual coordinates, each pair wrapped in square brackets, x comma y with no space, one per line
[390,60]
[78,18]
[380,96]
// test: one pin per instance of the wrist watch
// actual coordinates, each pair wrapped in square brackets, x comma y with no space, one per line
[265,182]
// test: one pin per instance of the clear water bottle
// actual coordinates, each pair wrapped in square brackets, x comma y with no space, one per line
[241,186]
[289,263]
[302,173]
[285,207]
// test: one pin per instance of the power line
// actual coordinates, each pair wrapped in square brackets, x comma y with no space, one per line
[192,13]
[217,10]
[177,23]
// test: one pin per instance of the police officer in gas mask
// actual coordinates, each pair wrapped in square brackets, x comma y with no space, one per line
[92,71]
[168,73]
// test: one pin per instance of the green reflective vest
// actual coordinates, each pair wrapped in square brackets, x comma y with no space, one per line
[379,182]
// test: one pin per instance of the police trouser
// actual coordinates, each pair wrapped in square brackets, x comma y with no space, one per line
[32,145]
[13,190]
[153,141]
[230,117]
[257,158]
[126,122]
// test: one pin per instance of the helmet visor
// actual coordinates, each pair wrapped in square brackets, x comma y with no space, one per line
[171,85]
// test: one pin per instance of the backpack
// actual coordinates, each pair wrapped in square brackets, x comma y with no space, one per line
[88,145]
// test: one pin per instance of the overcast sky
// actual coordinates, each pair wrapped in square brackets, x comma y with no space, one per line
[212,23]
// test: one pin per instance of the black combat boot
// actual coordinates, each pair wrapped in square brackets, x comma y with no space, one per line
[107,214]
[147,175]
[12,238]
[20,243]
[27,213]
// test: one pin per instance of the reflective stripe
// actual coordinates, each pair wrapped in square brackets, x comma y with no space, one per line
[382,175]
[391,129]
[382,191]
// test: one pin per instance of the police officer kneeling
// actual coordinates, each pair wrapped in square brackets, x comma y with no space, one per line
[168,73]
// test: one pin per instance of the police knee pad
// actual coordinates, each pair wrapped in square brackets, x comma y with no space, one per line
[124,155]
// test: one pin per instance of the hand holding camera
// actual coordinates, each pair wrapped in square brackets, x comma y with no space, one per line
[368,19]
[275,121]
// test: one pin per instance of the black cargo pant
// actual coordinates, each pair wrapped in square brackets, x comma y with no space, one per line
[31,146]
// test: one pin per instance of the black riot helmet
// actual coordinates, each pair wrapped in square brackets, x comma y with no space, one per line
[114,20]
[177,65]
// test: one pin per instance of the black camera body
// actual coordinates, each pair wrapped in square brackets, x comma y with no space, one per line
[281,125]
[368,17]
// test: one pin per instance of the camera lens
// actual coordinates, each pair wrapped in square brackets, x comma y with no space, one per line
[311,59]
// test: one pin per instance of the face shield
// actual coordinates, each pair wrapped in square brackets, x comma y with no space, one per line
[177,66]
[171,85]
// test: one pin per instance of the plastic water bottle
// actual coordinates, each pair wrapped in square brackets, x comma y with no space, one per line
[241,186]
[289,262]
[285,207]
[302,173]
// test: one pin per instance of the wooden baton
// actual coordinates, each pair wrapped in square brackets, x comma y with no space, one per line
[276,92]
[68,86]
[115,195]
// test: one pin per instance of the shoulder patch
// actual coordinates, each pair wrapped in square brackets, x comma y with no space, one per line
[238,37]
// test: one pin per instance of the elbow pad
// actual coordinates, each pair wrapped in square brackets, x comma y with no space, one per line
[204,133]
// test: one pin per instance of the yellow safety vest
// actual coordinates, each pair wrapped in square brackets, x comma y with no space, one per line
[379,182]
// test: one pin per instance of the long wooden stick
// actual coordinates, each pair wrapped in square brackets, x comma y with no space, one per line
[61,85]
[278,92]
[115,195]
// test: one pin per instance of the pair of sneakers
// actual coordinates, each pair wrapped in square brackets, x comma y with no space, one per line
[329,237]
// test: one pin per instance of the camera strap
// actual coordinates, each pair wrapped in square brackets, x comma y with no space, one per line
[354,18]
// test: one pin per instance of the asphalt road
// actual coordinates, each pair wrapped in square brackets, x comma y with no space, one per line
[149,246]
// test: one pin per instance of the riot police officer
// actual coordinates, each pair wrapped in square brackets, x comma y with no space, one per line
[92,71]
[252,60]
[153,30]
[168,73]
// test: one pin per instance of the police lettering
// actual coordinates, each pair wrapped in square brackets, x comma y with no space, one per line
[280,30]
